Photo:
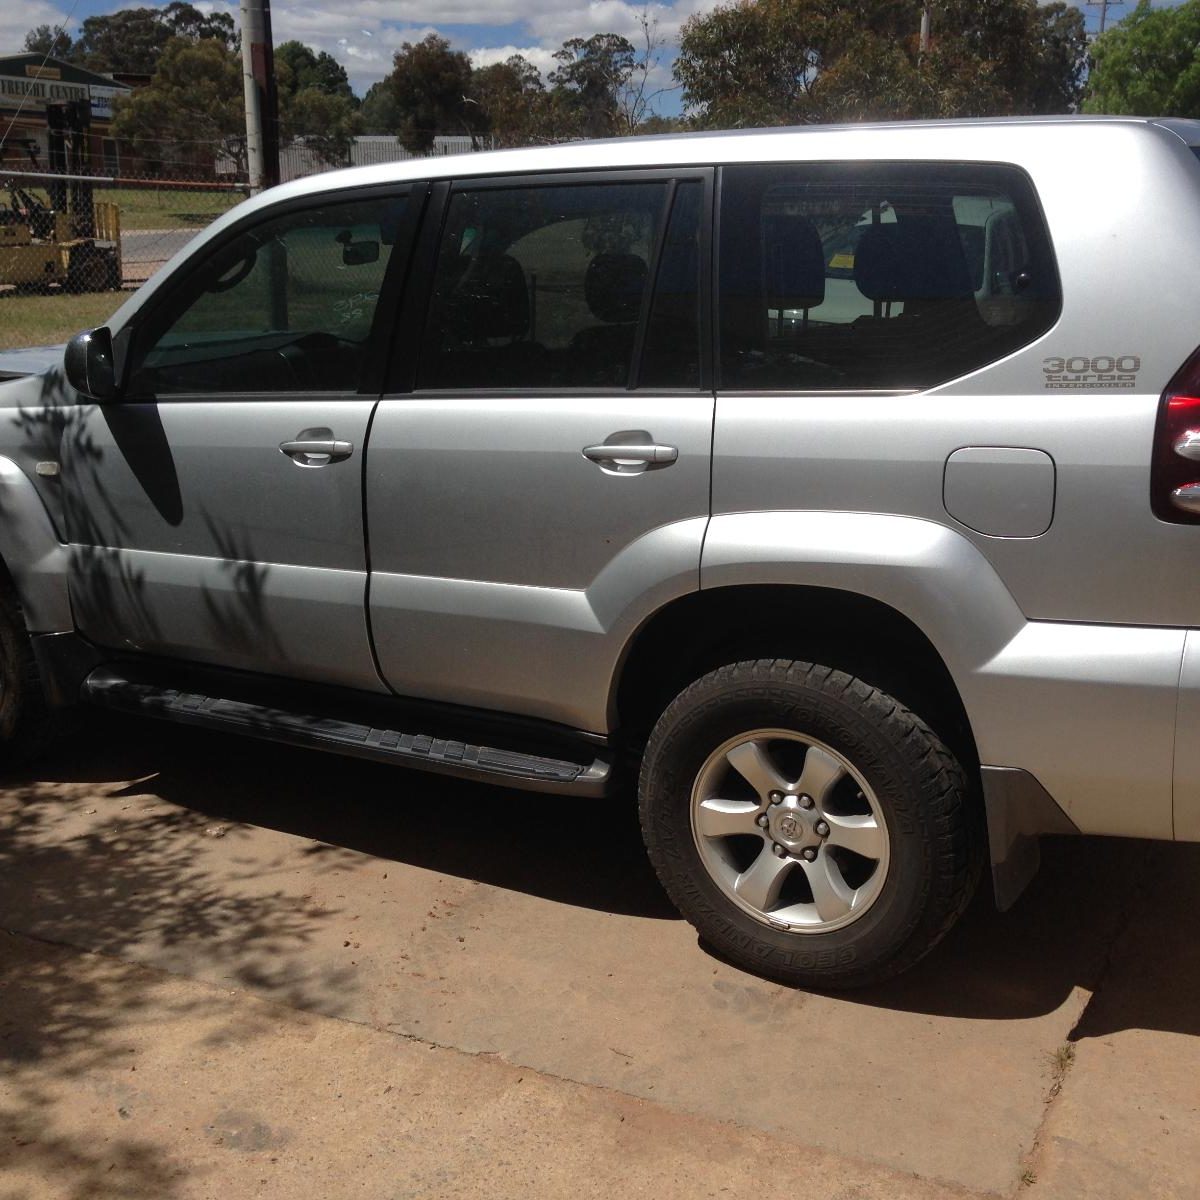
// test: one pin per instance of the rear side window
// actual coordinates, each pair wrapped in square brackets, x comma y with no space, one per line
[542,286]
[863,276]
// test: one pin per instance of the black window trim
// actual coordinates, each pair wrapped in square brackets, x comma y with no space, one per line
[400,379]
[1045,246]
[167,304]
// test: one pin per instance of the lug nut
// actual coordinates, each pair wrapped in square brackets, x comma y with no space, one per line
[822,829]
[809,854]
[779,851]
[776,797]
[761,821]
[806,802]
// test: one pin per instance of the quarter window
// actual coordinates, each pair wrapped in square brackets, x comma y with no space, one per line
[877,277]
[285,306]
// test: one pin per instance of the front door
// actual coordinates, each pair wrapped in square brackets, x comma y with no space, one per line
[546,480]
[215,511]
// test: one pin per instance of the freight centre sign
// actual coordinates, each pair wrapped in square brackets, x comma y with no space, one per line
[32,84]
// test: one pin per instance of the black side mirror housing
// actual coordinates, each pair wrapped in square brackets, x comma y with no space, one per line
[88,363]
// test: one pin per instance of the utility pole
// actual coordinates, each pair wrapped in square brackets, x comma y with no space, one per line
[926,21]
[262,105]
[1104,6]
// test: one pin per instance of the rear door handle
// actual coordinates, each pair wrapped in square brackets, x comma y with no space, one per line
[317,452]
[649,453]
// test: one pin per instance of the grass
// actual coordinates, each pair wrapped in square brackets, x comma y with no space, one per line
[168,208]
[43,320]
[1062,1058]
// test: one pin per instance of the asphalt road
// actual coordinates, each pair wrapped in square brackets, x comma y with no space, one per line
[143,251]
[221,955]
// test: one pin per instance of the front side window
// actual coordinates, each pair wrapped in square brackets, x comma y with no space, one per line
[541,286]
[285,306]
[865,276]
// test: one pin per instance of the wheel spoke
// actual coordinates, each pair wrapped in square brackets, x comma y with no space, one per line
[821,772]
[759,884]
[751,761]
[861,834]
[831,894]
[726,818]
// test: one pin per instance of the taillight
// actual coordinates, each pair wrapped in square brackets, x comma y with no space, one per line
[1175,467]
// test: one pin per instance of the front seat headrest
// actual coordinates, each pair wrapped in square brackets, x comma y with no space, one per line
[491,300]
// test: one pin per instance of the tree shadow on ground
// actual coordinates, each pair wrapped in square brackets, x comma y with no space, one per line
[1099,914]
[136,877]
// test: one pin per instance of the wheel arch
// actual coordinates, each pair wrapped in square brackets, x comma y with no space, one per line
[31,555]
[860,634]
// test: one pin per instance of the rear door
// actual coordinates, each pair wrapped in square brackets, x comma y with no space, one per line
[540,469]
[215,510]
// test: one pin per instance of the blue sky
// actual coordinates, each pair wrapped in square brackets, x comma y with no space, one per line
[363,34]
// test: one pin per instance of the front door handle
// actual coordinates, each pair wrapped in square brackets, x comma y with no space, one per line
[316,452]
[632,454]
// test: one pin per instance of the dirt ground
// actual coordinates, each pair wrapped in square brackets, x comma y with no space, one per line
[231,970]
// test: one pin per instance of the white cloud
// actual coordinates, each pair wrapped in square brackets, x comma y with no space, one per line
[16,20]
[541,57]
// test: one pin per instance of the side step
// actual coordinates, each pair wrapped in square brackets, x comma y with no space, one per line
[110,689]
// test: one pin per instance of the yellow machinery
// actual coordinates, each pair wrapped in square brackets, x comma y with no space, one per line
[41,246]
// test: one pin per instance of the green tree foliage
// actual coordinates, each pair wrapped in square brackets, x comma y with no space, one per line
[49,41]
[379,111]
[514,104]
[132,39]
[590,80]
[191,109]
[1149,64]
[656,123]
[309,69]
[315,102]
[431,87]
[777,62]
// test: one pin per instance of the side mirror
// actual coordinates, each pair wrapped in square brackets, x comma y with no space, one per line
[88,363]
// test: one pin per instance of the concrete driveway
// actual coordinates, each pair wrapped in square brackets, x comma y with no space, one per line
[233,969]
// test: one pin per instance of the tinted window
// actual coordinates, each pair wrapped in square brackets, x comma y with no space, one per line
[541,286]
[858,277]
[671,355]
[284,306]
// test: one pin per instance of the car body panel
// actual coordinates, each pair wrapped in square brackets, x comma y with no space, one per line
[194,536]
[504,563]
[1053,699]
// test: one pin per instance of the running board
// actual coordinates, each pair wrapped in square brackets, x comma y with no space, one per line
[488,764]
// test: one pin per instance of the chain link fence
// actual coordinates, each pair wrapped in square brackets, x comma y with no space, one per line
[72,246]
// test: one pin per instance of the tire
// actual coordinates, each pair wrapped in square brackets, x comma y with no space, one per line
[27,723]
[841,847]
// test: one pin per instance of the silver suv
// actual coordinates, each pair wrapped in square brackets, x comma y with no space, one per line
[841,483]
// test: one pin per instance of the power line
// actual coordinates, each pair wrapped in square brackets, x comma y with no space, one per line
[59,31]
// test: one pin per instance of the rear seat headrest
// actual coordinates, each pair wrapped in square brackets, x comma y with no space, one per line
[918,258]
[613,286]
[793,262]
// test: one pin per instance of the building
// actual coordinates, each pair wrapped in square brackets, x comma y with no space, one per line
[55,116]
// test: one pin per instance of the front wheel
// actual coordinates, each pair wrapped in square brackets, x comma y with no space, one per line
[27,723]
[809,826]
